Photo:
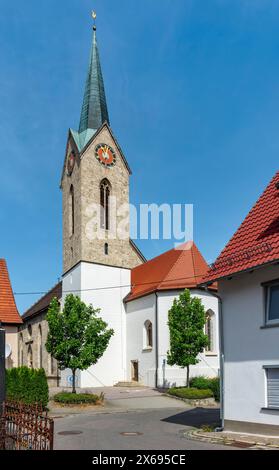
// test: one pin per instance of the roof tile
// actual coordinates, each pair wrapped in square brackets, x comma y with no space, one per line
[179,268]
[256,242]
[8,308]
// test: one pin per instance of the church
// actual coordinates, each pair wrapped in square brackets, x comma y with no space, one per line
[107,270]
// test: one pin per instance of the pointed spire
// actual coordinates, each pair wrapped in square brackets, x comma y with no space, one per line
[94,109]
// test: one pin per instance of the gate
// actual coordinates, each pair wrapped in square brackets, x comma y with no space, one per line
[25,427]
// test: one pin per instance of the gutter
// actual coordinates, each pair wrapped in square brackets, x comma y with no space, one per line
[222,359]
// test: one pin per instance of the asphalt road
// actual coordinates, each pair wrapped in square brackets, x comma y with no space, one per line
[157,429]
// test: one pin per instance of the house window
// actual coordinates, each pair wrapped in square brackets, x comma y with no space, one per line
[106,248]
[272,307]
[71,211]
[272,384]
[209,330]
[105,190]
[148,335]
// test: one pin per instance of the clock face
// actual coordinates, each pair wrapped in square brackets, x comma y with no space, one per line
[105,155]
[71,162]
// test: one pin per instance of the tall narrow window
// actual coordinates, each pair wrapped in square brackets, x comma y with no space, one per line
[30,357]
[106,249]
[71,211]
[21,349]
[209,330]
[148,335]
[40,348]
[105,190]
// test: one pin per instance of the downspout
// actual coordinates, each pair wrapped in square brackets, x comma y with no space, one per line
[221,348]
[156,341]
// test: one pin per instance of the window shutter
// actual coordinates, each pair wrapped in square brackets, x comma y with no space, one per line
[273,388]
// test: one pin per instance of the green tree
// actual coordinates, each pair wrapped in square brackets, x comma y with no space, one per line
[77,337]
[186,325]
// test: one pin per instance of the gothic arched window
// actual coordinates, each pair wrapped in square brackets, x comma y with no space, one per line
[40,348]
[30,356]
[148,334]
[209,330]
[71,211]
[21,349]
[105,191]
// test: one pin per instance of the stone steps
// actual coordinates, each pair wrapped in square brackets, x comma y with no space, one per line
[127,384]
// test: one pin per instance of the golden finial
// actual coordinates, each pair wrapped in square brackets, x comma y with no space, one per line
[94,16]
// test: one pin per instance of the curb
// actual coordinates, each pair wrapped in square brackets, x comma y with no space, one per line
[195,402]
[198,435]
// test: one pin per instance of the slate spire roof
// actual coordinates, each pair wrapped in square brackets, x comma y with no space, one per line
[94,112]
[94,108]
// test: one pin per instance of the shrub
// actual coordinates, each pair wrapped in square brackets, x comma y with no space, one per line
[191,393]
[202,383]
[68,398]
[26,385]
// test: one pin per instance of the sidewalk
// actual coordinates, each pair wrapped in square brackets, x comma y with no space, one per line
[241,440]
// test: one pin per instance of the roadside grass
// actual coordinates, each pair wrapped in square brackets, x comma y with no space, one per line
[68,398]
[190,393]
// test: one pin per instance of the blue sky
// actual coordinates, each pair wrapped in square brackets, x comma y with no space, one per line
[198,75]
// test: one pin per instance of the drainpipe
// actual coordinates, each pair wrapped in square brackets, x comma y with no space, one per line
[156,341]
[221,348]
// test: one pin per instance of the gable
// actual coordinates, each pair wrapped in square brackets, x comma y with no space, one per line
[256,242]
[104,135]
[8,308]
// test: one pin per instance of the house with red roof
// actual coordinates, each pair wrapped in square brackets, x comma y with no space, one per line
[9,316]
[155,285]
[247,272]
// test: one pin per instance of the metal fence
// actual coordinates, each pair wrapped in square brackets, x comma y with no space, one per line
[25,427]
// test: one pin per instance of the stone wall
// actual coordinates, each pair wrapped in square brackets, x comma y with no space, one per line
[29,339]
[86,178]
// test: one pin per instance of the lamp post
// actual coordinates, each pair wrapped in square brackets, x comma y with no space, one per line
[2,368]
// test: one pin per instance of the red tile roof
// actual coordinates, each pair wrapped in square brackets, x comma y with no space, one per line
[256,242]
[8,309]
[43,303]
[180,268]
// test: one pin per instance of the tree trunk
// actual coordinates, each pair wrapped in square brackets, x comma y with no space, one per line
[188,377]
[74,381]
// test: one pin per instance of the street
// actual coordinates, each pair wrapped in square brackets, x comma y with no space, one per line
[145,420]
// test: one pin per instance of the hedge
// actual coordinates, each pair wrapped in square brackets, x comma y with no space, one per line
[190,393]
[27,386]
[202,383]
[69,398]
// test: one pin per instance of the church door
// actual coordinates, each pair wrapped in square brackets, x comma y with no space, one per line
[135,371]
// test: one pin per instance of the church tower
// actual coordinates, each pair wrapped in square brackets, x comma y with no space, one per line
[98,254]
[95,184]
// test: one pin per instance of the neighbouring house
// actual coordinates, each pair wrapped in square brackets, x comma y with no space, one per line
[9,316]
[155,285]
[32,337]
[247,272]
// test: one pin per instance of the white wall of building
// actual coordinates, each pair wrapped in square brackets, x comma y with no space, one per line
[248,347]
[138,312]
[111,368]
[144,308]
[12,340]
[208,362]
